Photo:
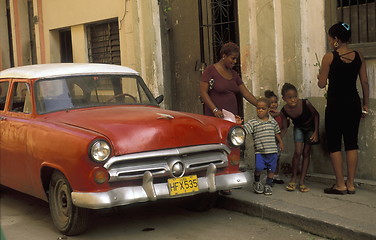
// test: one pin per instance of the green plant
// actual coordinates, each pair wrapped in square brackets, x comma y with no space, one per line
[317,64]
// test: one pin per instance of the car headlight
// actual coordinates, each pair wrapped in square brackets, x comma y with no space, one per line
[100,150]
[236,136]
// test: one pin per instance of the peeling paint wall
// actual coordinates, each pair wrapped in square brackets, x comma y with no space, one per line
[182,24]
[313,41]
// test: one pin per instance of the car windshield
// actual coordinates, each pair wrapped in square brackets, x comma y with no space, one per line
[90,91]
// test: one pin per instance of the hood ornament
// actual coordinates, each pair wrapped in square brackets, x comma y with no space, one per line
[164,116]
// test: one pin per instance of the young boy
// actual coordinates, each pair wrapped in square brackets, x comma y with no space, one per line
[265,132]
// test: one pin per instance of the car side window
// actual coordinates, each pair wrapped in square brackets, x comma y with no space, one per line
[20,98]
[3,94]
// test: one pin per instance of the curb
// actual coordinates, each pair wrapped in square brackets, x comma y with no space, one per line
[300,218]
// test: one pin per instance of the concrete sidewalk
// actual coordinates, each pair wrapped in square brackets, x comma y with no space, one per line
[331,216]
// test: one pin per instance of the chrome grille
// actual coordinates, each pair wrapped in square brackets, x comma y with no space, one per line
[194,158]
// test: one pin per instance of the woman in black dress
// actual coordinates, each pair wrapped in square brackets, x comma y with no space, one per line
[344,108]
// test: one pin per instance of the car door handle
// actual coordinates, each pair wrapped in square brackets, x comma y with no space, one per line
[2,118]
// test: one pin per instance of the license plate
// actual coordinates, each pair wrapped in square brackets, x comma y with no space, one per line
[183,185]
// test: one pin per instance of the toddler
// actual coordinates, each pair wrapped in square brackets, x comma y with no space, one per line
[265,132]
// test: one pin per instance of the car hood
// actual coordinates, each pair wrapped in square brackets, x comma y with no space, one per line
[139,128]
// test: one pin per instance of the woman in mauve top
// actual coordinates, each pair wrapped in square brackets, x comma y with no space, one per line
[220,84]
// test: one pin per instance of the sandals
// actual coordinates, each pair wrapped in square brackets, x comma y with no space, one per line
[291,186]
[304,188]
[350,191]
[332,190]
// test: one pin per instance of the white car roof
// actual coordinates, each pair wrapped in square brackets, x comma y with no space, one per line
[65,69]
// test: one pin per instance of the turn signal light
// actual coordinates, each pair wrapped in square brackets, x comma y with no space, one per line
[234,157]
[100,176]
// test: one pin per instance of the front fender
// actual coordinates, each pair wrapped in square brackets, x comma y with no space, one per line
[64,148]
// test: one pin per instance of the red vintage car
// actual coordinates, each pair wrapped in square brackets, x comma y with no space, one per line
[92,136]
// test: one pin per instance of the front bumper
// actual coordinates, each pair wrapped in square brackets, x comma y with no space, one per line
[151,192]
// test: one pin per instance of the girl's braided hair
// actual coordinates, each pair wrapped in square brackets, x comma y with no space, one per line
[269,94]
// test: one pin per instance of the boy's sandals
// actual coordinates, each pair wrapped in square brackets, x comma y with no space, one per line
[304,188]
[291,186]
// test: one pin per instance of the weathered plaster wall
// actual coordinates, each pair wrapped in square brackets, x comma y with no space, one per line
[313,40]
[79,44]
[183,34]
[292,47]
[149,40]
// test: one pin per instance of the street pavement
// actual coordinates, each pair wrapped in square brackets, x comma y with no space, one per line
[332,216]
[23,217]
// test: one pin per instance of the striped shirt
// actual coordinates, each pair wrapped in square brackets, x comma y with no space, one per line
[263,133]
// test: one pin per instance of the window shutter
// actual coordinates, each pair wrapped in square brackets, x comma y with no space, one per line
[104,43]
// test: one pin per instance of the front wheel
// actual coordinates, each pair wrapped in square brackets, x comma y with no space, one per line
[69,219]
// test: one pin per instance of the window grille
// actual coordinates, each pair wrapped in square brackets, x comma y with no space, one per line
[218,21]
[104,43]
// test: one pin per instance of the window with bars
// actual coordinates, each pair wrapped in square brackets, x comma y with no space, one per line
[104,43]
[361,16]
[218,21]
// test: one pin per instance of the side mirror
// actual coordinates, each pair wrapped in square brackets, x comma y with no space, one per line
[159,99]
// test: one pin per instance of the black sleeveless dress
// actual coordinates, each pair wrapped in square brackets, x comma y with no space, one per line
[343,111]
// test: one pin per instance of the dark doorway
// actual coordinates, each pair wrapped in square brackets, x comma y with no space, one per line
[33,45]
[66,51]
[10,36]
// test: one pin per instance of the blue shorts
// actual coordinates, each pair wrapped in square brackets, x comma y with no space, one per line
[303,135]
[266,161]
